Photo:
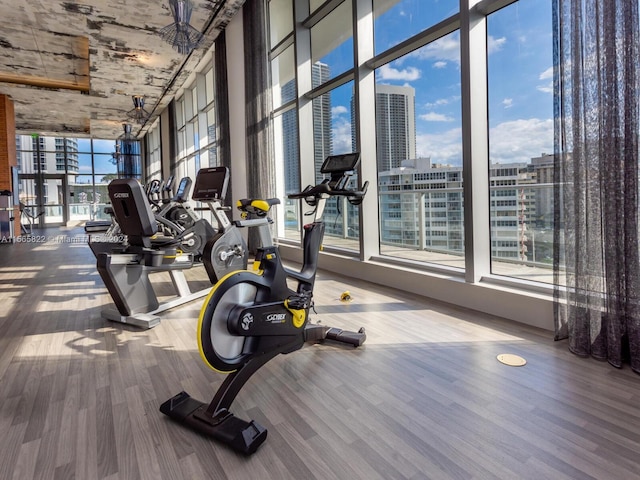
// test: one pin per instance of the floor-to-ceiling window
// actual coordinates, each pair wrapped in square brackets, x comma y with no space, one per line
[520,94]
[331,93]
[154,153]
[419,145]
[196,131]
[421,54]
[195,121]
[64,180]
[285,115]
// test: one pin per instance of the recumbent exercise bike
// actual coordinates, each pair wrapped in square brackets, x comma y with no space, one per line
[249,318]
[126,268]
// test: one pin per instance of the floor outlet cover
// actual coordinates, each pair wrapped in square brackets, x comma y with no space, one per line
[511,360]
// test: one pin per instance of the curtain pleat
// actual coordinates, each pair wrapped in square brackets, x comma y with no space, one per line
[221,82]
[260,166]
[596,256]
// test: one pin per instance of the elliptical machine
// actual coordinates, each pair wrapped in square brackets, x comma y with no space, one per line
[249,317]
[177,219]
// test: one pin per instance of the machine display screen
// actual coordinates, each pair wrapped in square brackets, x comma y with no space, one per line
[340,163]
[211,184]
[182,188]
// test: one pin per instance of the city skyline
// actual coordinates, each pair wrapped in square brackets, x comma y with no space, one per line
[422,208]
[520,76]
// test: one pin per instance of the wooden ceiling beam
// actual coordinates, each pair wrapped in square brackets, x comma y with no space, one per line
[33,81]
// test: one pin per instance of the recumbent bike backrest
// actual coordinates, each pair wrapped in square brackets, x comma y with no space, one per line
[132,211]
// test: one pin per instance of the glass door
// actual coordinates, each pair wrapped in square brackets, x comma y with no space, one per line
[55,199]
[44,202]
[30,202]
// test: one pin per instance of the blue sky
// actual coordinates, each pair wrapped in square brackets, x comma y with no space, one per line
[520,80]
[103,149]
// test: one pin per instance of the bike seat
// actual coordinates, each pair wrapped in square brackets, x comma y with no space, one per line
[257,206]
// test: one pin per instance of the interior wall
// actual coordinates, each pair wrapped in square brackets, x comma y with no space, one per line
[8,157]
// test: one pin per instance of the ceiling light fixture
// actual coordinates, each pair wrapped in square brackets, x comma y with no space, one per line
[182,36]
[127,154]
[127,135]
[138,114]
[116,155]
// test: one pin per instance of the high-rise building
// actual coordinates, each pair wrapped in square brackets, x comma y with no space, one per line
[421,207]
[289,138]
[512,209]
[544,166]
[395,125]
[47,155]
[322,136]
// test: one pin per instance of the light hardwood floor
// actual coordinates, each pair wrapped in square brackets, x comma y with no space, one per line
[425,396]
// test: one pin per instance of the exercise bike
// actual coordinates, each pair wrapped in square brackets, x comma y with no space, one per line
[177,219]
[126,268]
[249,317]
[226,251]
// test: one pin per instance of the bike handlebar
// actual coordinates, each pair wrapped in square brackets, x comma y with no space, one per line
[354,197]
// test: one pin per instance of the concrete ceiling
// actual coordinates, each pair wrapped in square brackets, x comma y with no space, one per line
[72,67]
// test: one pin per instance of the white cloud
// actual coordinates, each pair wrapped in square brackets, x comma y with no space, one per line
[338,110]
[437,103]
[435,117]
[514,141]
[444,147]
[547,74]
[341,133]
[409,74]
[445,49]
[520,140]
[548,88]
[507,102]
[495,44]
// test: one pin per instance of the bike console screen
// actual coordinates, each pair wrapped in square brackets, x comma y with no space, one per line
[340,163]
[183,190]
[211,184]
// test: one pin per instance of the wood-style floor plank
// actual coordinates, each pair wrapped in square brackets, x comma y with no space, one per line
[424,398]
[25,464]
